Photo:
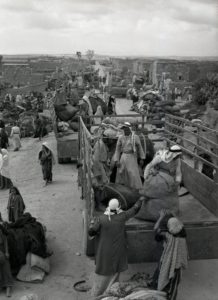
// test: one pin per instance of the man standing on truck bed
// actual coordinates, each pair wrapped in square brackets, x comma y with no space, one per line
[125,157]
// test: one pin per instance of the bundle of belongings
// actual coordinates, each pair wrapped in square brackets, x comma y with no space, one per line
[27,248]
[70,114]
[132,290]
[155,107]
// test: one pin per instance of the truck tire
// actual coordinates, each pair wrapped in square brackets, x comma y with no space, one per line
[60,160]
[88,244]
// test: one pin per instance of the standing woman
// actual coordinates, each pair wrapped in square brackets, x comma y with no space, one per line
[111,105]
[3,138]
[15,135]
[174,258]
[128,150]
[47,160]
[111,254]
[5,181]
[6,279]
[16,205]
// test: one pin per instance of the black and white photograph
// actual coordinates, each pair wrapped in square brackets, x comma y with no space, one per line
[109,149]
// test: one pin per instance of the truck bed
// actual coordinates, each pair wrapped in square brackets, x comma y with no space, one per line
[192,213]
[201,226]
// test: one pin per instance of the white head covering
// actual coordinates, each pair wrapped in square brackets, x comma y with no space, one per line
[174,225]
[113,208]
[168,155]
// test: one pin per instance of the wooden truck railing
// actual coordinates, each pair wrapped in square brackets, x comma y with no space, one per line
[202,228]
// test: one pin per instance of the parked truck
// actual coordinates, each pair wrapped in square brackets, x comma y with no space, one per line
[198,205]
[67,143]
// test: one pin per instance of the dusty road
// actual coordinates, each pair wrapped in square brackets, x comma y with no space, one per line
[59,207]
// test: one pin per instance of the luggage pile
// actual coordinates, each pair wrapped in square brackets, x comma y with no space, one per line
[133,290]
[155,107]
[69,114]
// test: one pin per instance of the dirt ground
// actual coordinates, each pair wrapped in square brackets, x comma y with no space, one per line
[59,207]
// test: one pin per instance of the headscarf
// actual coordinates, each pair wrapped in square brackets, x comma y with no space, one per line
[86,99]
[168,155]
[113,208]
[128,125]
[45,144]
[174,226]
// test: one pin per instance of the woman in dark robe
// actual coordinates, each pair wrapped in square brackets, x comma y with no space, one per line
[5,180]
[111,105]
[16,205]
[6,279]
[174,258]
[3,139]
[111,254]
[47,160]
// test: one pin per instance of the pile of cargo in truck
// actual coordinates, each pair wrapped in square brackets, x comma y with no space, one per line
[68,114]
[153,105]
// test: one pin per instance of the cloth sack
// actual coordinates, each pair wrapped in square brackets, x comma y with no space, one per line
[39,263]
[28,274]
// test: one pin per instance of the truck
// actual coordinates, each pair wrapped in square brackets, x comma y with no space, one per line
[67,143]
[198,204]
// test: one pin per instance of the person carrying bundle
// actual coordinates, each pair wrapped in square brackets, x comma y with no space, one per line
[174,258]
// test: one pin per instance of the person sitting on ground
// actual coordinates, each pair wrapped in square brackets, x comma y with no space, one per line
[47,160]
[111,254]
[6,279]
[174,258]
[16,205]
[128,150]
[15,135]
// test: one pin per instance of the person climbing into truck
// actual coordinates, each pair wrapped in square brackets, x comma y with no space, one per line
[111,254]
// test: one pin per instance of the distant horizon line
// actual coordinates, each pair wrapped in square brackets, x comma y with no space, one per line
[99,54]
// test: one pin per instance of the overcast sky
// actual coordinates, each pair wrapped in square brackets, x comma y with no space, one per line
[114,27]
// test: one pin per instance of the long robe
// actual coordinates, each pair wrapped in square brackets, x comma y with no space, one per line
[111,254]
[15,207]
[100,157]
[15,134]
[46,160]
[128,172]
[6,279]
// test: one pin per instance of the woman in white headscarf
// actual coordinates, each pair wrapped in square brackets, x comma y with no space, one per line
[111,252]
[162,179]
[5,180]
[47,160]
[15,135]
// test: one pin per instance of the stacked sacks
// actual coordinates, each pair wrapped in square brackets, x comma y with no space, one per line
[64,111]
[155,107]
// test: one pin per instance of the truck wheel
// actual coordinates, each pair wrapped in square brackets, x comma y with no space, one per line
[60,160]
[88,244]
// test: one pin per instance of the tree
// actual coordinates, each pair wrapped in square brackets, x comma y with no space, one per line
[90,54]
[79,54]
[206,89]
